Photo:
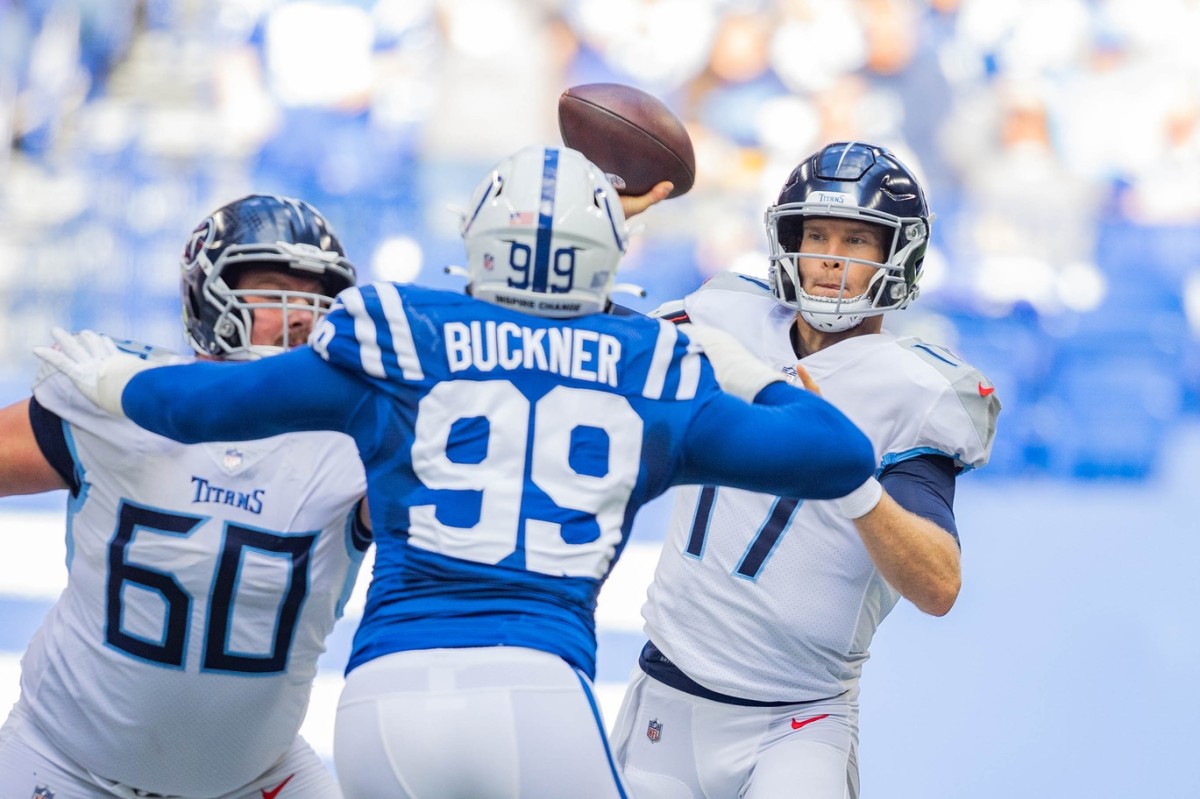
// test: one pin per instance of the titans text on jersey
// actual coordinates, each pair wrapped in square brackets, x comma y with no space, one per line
[207,492]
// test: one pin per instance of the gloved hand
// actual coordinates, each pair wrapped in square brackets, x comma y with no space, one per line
[738,372]
[861,500]
[94,364]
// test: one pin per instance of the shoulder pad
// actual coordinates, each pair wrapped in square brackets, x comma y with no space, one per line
[148,352]
[736,281]
[672,311]
[975,392]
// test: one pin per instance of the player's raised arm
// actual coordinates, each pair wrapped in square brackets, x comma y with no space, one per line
[797,446]
[178,401]
[789,442]
[157,400]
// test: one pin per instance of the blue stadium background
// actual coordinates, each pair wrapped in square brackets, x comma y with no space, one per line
[1059,139]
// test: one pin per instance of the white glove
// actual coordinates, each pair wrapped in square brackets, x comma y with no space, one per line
[94,364]
[861,500]
[738,372]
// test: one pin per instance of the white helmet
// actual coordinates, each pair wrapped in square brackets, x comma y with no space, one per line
[545,234]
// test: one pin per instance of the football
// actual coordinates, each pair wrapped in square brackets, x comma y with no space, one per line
[629,134]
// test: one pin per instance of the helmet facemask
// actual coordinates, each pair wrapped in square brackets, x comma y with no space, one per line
[850,181]
[892,287]
[258,232]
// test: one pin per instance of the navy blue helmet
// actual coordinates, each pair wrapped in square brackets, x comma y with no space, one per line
[262,231]
[857,181]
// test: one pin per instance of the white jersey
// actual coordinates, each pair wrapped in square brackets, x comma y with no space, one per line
[202,583]
[773,599]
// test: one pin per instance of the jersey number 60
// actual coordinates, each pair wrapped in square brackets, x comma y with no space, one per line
[170,650]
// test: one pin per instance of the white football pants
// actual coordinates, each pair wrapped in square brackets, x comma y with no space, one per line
[672,745]
[30,761]
[477,723]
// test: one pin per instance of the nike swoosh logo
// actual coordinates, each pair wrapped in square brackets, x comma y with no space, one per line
[985,390]
[798,724]
[271,794]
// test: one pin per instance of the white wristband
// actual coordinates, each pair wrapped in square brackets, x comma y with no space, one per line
[861,500]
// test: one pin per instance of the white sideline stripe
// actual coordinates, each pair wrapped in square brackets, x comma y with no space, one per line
[10,682]
[34,565]
[619,606]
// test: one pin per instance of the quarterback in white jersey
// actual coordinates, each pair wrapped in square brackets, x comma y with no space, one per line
[202,580]
[793,591]
[509,438]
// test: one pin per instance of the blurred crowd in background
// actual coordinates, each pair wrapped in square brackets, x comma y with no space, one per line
[1059,141]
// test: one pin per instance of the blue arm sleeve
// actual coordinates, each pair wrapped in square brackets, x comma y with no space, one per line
[211,401]
[924,485]
[797,446]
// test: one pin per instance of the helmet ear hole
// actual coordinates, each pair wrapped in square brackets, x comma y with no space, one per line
[786,286]
[788,231]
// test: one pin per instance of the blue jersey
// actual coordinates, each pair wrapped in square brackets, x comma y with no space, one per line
[506,454]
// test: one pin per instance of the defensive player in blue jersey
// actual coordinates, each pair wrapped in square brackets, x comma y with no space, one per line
[509,438]
[202,581]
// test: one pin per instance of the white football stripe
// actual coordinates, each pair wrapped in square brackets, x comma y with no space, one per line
[402,338]
[664,349]
[369,353]
[34,563]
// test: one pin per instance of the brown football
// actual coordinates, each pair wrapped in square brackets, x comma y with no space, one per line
[628,133]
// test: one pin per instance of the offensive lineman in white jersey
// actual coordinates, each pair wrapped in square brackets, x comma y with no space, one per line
[204,579]
[794,591]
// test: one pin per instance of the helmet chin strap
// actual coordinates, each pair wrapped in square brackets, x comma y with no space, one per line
[832,323]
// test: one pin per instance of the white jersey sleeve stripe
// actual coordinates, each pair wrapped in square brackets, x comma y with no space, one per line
[369,354]
[402,337]
[664,350]
[689,374]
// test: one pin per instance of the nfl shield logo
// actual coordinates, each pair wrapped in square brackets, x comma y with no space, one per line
[233,459]
[654,731]
[42,792]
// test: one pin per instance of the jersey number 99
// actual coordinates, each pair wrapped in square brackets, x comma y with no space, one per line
[517,465]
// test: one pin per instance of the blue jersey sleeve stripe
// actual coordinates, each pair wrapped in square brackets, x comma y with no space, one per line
[402,337]
[660,363]
[369,354]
